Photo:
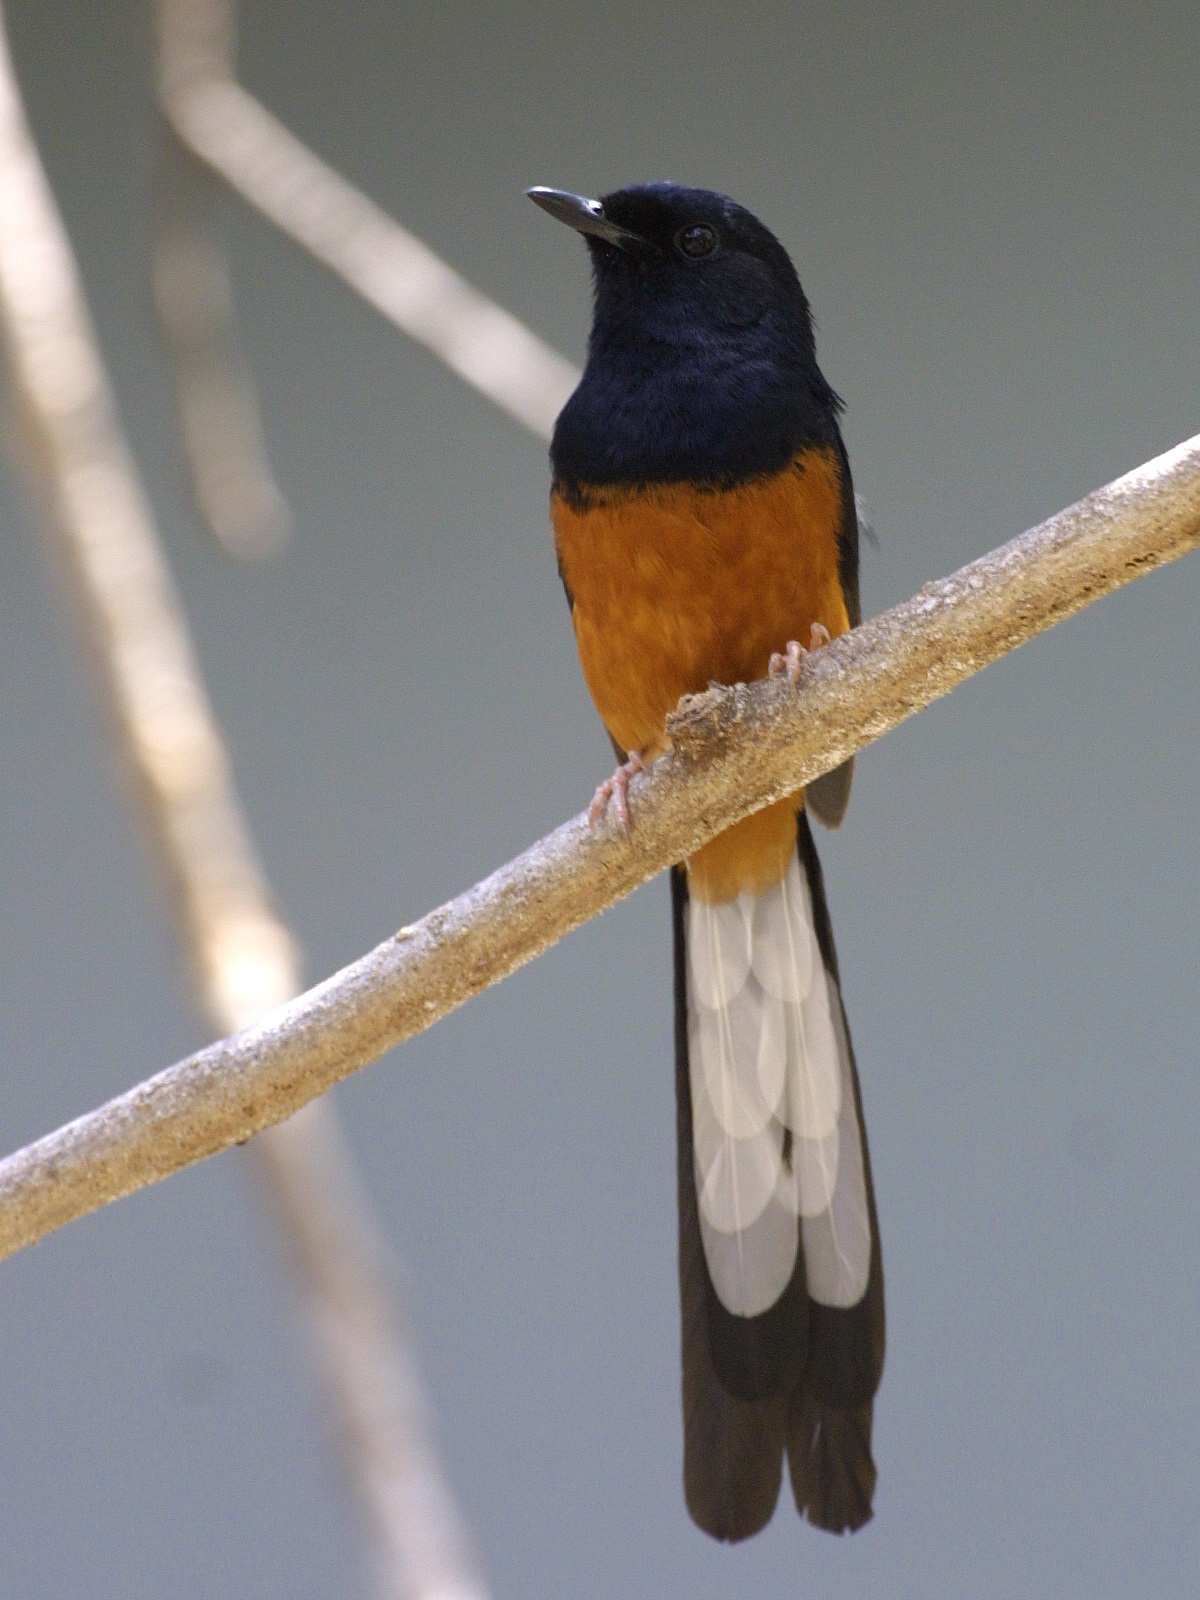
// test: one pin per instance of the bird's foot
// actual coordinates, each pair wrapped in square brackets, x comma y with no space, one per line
[616,789]
[787,663]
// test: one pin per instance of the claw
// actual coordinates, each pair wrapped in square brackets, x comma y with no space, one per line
[616,788]
[788,663]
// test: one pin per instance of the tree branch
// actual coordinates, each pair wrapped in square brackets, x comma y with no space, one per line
[242,957]
[735,750]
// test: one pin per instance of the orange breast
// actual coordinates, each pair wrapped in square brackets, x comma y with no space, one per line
[675,585]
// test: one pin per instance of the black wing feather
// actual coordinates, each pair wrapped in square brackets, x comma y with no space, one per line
[828,796]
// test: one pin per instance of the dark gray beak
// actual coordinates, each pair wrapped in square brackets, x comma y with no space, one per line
[585,216]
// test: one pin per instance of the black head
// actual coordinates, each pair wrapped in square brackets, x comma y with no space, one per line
[701,361]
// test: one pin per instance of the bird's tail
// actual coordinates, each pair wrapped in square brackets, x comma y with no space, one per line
[779,1263]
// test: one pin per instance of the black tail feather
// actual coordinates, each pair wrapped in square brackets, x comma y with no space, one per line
[733,1449]
[829,1460]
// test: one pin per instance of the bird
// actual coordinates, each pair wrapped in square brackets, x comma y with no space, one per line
[705,527]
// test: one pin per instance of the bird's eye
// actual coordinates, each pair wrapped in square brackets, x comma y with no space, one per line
[696,241]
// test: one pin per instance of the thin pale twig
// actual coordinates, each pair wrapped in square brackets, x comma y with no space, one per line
[233,487]
[225,455]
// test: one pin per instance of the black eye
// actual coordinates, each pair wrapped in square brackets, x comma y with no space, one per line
[696,241]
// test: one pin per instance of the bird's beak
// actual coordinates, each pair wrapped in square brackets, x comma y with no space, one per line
[585,216]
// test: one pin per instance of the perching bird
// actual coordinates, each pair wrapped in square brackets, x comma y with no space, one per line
[705,525]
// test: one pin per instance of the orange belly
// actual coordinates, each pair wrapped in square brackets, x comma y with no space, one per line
[675,585]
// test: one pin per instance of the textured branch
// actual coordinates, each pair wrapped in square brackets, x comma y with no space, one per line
[735,750]
[389,267]
[243,958]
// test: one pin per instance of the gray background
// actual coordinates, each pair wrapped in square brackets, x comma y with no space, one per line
[994,213]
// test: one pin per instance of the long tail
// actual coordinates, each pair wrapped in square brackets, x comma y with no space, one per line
[780,1272]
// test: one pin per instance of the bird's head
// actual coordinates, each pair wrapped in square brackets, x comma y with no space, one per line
[679,265]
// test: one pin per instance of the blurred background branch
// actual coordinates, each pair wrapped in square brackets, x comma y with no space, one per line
[225,456]
[242,957]
[393,270]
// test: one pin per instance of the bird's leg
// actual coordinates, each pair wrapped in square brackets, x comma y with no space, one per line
[788,662]
[615,788]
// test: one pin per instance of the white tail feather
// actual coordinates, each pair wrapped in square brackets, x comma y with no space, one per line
[751,1269]
[837,1240]
[768,1056]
